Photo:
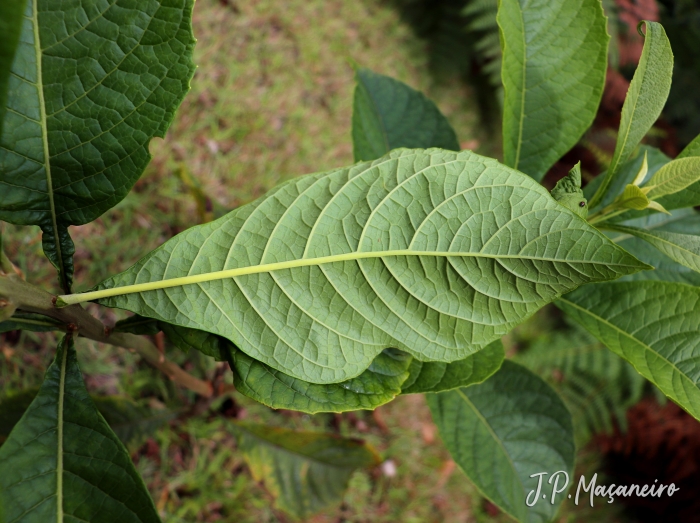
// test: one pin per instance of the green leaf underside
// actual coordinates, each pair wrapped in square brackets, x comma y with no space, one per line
[437,376]
[10,25]
[675,177]
[388,114]
[681,248]
[654,325]
[645,99]
[377,385]
[689,196]
[502,431]
[31,322]
[91,84]
[681,221]
[554,61]
[444,253]
[305,471]
[48,468]
[129,420]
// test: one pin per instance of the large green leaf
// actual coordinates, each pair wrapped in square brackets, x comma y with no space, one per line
[681,248]
[388,114]
[654,325]
[646,97]
[680,221]
[10,25]
[91,84]
[305,471]
[554,61]
[504,430]
[377,385]
[63,463]
[435,376]
[431,252]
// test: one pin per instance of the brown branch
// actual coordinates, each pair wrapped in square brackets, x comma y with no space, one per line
[30,298]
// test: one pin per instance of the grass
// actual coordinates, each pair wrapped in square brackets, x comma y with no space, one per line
[271,99]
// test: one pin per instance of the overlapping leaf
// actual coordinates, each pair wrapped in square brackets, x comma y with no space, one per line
[377,385]
[436,376]
[554,61]
[680,221]
[502,431]
[654,325]
[91,84]
[431,252]
[305,471]
[48,468]
[10,24]
[388,114]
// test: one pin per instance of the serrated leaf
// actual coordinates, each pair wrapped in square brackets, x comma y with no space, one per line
[645,99]
[502,431]
[431,252]
[305,471]
[654,325]
[388,114]
[437,376]
[674,177]
[91,84]
[10,25]
[31,322]
[681,248]
[554,61]
[377,385]
[567,192]
[48,466]
[680,221]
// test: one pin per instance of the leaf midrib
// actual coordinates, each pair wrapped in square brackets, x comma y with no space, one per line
[292,264]
[45,144]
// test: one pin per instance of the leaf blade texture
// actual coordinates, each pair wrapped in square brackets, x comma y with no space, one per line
[645,99]
[305,471]
[553,71]
[437,376]
[494,246]
[91,85]
[388,114]
[47,470]
[503,430]
[654,325]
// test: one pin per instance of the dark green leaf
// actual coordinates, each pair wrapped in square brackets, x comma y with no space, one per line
[554,61]
[305,471]
[646,97]
[137,325]
[377,385]
[654,325]
[692,149]
[91,84]
[10,26]
[681,248]
[437,376]
[502,431]
[63,463]
[431,252]
[185,339]
[388,114]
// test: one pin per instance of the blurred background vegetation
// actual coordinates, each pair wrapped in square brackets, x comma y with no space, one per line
[272,99]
